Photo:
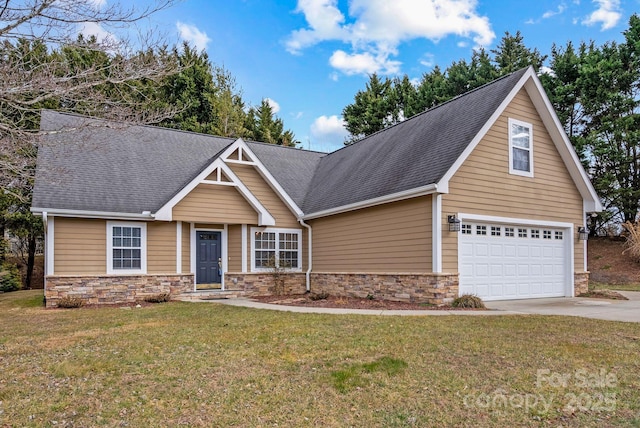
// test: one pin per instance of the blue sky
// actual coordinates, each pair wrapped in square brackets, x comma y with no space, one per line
[310,57]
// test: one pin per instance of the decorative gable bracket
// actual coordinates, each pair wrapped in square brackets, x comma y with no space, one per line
[218,173]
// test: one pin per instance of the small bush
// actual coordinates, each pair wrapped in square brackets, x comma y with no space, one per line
[468,301]
[9,277]
[319,296]
[158,298]
[371,297]
[69,302]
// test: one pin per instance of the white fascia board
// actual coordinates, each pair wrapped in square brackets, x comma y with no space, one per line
[394,197]
[443,184]
[166,211]
[264,172]
[264,217]
[91,214]
[568,154]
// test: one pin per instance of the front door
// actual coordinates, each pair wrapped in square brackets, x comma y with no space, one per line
[208,256]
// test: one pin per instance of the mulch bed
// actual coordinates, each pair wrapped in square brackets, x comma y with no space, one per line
[125,305]
[353,303]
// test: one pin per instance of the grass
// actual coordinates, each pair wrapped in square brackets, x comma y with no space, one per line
[619,287]
[204,364]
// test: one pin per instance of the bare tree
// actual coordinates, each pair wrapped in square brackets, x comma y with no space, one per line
[45,63]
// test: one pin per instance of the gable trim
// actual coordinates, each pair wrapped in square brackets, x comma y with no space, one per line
[530,82]
[393,197]
[264,217]
[244,150]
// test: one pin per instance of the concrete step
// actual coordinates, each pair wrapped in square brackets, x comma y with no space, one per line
[191,296]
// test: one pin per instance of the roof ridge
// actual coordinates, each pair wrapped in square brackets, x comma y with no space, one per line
[166,128]
[143,125]
[457,97]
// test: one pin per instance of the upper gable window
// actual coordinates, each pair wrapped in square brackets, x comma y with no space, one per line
[520,148]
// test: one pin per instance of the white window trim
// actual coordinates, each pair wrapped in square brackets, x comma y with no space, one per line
[511,169]
[224,253]
[277,250]
[143,248]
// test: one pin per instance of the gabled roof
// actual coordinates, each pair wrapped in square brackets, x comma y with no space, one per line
[108,168]
[87,164]
[411,154]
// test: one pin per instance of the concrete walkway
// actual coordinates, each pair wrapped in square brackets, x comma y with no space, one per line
[604,309]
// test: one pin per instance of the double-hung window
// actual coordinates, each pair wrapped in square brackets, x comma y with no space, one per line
[126,247]
[520,148]
[272,247]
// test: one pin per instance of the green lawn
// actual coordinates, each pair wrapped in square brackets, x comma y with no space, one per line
[204,364]
[623,287]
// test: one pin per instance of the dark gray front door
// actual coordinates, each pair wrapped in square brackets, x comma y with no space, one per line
[208,256]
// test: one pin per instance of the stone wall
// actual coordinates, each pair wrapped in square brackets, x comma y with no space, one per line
[109,289]
[581,283]
[263,284]
[436,289]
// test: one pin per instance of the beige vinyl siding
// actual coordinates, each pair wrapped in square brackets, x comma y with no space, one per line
[186,248]
[80,246]
[161,247]
[214,203]
[234,246]
[267,197]
[394,237]
[484,186]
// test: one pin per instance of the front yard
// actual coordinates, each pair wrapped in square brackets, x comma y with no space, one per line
[203,364]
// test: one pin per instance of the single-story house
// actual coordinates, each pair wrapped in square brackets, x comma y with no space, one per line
[483,194]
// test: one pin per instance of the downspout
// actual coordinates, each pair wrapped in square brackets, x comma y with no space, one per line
[310,255]
[46,255]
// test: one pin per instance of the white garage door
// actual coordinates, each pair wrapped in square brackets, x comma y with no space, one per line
[501,262]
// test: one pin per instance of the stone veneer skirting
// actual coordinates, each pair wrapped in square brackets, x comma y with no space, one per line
[580,283]
[106,289]
[436,289]
[264,284]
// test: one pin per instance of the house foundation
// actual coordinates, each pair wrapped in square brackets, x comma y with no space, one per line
[110,289]
[432,288]
[581,283]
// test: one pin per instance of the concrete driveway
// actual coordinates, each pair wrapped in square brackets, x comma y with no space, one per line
[603,309]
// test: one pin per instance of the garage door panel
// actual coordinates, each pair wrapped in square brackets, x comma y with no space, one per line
[513,267]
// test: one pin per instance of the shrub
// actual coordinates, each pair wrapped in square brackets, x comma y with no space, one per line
[468,301]
[319,296]
[633,239]
[9,277]
[158,298]
[69,302]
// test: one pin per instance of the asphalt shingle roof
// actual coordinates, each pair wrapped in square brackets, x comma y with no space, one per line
[95,165]
[411,154]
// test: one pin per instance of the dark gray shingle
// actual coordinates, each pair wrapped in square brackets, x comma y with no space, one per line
[411,154]
[101,166]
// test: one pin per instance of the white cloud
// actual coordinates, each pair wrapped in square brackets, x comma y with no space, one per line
[607,14]
[191,34]
[363,63]
[88,29]
[275,107]
[333,76]
[329,131]
[97,4]
[548,14]
[376,28]
[427,60]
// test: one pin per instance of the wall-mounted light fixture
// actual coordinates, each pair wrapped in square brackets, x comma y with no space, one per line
[454,223]
[583,233]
